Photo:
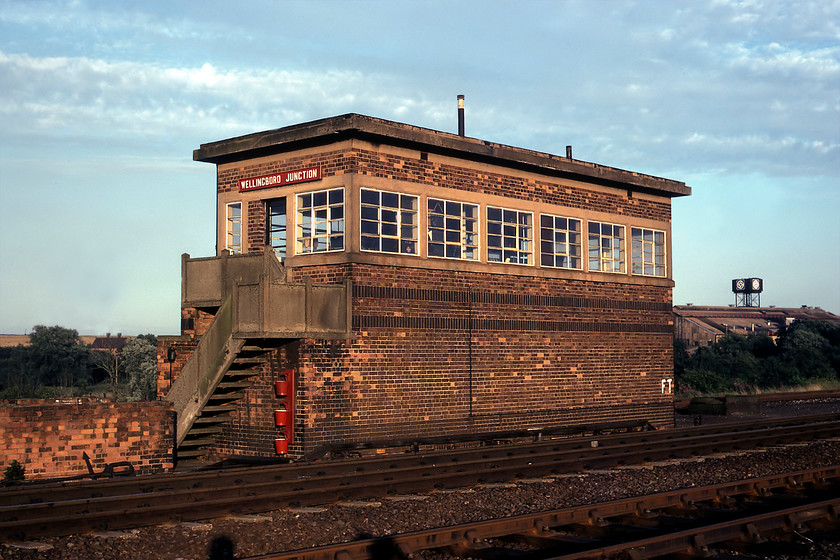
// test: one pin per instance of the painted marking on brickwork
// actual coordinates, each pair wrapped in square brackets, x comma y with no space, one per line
[667,386]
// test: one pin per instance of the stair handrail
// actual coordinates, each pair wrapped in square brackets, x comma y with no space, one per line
[204,369]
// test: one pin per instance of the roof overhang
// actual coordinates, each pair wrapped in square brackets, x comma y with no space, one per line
[334,129]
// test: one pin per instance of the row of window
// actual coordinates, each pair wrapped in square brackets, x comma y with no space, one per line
[389,223]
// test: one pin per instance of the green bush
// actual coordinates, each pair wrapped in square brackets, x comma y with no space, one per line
[702,381]
[806,352]
[14,474]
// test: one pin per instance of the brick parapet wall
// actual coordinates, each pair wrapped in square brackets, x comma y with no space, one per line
[49,438]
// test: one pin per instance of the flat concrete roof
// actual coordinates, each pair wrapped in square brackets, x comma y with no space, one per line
[333,129]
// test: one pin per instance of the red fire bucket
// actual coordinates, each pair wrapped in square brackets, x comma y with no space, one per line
[281,446]
[281,417]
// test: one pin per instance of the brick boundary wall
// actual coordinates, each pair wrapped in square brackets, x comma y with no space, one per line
[49,437]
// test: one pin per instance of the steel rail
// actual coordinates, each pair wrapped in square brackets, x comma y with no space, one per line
[494,469]
[78,490]
[202,502]
[540,525]
[697,540]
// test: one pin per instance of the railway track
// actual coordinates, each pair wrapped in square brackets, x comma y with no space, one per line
[58,509]
[737,515]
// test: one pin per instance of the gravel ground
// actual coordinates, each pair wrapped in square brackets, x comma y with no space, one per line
[288,529]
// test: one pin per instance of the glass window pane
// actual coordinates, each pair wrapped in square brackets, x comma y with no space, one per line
[389,229]
[370,243]
[408,202]
[546,234]
[370,197]
[408,246]
[389,215]
[391,200]
[390,245]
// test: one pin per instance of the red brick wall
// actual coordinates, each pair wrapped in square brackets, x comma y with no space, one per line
[183,345]
[49,438]
[532,352]
[255,232]
[251,431]
[539,352]
[415,170]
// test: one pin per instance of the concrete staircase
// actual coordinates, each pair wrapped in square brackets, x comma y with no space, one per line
[207,424]
[256,310]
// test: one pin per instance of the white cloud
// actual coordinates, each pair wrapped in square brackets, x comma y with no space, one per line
[76,94]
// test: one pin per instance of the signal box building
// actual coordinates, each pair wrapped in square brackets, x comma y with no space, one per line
[380,283]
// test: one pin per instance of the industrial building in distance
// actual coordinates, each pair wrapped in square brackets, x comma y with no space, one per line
[702,325]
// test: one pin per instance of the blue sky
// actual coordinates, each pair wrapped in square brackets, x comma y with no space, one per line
[102,103]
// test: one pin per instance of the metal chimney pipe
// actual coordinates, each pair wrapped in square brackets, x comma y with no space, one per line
[460,115]
[569,152]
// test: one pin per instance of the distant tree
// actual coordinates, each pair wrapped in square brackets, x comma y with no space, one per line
[805,352]
[730,359]
[698,380]
[57,357]
[681,357]
[140,359]
[15,380]
[109,361]
[812,349]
